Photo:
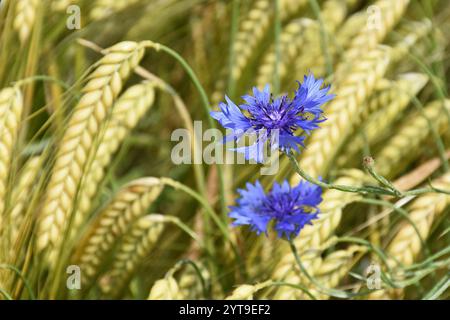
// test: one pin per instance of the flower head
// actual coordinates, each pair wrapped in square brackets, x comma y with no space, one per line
[291,208]
[274,120]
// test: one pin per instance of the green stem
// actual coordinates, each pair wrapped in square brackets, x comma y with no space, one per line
[22,277]
[323,36]
[320,287]
[205,103]
[276,76]
[206,290]
[403,213]
[295,286]
[434,132]
[368,165]
[362,190]
[232,54]
[208,209]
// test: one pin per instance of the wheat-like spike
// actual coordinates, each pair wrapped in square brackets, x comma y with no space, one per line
[130,203]
[334,201]
[104,8]
[333,14]
[25,18]
[343,112]
[130,107]
[252,30]
[247,291]
[292,40]
[313,237]
[20,194]
[409,34]
[242,292]
[423,211]
[135,247]
[350,29]
[11,105]
[288,8]
[166,288]
[382,17]
[61,5]
[78,142]
[406,245]
[288,272]
[406,142]
[384,107]
[311,58]
[189,282]
[334,267]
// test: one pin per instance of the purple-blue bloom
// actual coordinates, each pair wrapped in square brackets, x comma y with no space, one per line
[291,208]
[274,120]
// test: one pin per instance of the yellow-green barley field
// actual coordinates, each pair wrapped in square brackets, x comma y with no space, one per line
[95,204]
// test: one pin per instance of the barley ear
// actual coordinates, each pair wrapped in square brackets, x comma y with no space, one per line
[25,18]
[343,112]
[11,105]
[128,205]
[73,155]
[407,242]
[135,247]
[130,107]
[165,289]
[314,237]
[406,142]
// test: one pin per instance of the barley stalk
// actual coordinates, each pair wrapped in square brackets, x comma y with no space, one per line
[11,105]
[25,18]
[383,108]
[130,203]
[135,247]
[246,291]
[292,40]
[313,237]
[131,106]
[409,35]
[104,8]
[382,17]
[165,289]
[407,244]
[104,85]
[350,29]
[423,212]
[342,113]
[21,193]
[334,267]
[311,57]
[189,282]
[61,5]
[253,28]
[299,41]
[288,271]
[405,144]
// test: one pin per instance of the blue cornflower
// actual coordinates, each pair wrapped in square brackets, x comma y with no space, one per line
[274,120]
[291,208]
